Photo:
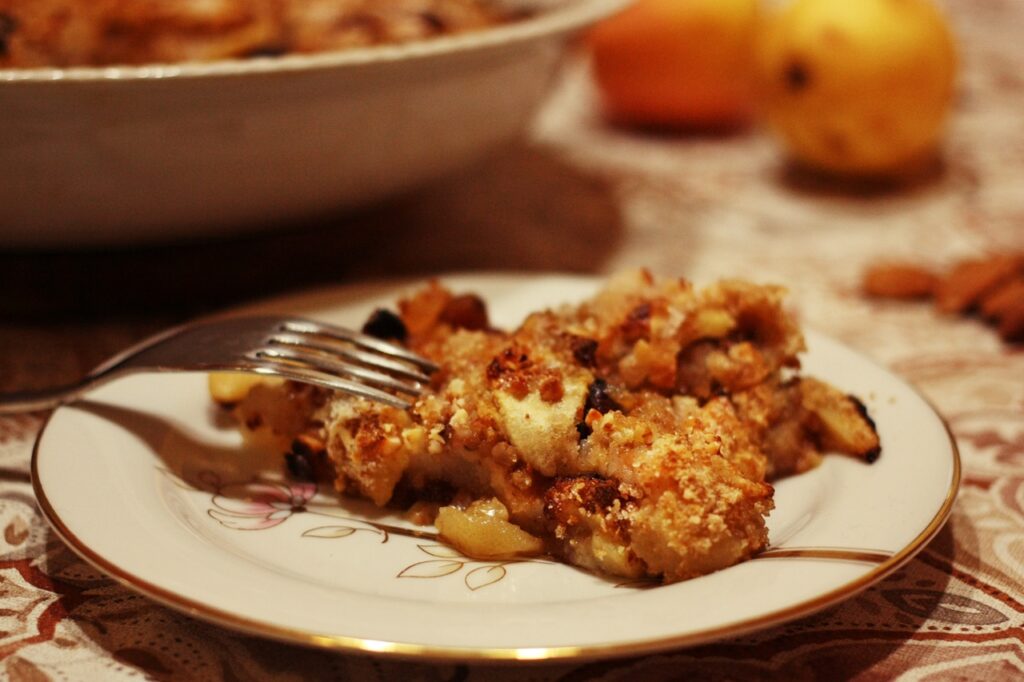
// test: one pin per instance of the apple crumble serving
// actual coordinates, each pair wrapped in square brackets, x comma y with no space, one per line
[37,33]
[634,434]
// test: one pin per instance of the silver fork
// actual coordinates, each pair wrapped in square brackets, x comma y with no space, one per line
[293,348]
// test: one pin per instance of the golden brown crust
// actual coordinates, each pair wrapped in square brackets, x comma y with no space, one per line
[590,524]
[634,433]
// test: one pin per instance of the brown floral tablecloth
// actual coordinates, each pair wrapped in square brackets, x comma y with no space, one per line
[581,196]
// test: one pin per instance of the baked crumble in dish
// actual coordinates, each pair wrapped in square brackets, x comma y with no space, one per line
[634,434]
[38,33]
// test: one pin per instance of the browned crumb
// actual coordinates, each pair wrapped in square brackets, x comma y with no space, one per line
[635,434]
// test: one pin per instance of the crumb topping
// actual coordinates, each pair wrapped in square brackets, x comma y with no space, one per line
[634,434]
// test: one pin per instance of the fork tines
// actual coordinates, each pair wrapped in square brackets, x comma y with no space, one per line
[347,361]
[360,340]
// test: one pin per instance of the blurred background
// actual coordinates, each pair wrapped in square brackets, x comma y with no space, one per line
[796,142]
[867,154]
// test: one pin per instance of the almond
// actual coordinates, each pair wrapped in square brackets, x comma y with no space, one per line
[970,281]
[1003,299]
[899,280]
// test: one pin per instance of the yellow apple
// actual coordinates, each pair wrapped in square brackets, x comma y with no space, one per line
[857,87]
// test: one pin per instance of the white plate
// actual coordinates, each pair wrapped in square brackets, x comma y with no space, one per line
[144,481]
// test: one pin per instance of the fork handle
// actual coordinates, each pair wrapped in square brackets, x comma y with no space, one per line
[41,399]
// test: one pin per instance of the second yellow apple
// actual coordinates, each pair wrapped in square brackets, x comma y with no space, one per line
[858,87]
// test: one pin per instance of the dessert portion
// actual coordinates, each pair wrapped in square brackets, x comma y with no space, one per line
[102,32]
[634,434]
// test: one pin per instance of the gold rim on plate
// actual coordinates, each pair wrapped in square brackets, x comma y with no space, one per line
[885,563]
[409,650]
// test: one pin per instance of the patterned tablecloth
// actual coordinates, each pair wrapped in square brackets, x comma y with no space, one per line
[582,196]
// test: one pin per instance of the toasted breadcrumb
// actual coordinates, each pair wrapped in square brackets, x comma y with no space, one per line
[634,434]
